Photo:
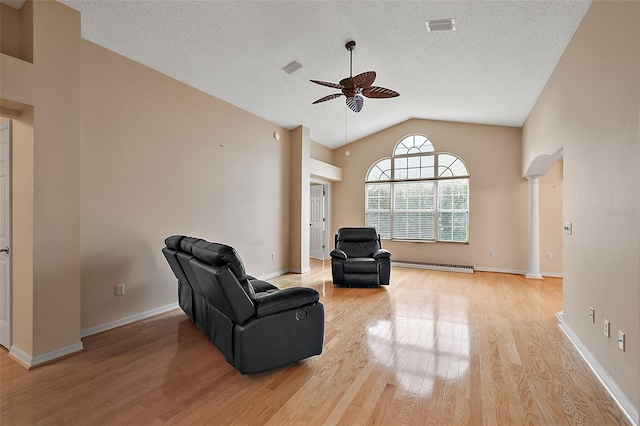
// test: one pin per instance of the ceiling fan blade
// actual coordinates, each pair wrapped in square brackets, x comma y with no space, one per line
[355,103]
[328,98]
[365,79]
[379,92]
[326,83]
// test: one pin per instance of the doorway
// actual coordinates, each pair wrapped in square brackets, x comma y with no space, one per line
[5,234]
[317,222]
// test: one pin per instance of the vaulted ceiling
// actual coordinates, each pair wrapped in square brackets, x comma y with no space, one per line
[490,70]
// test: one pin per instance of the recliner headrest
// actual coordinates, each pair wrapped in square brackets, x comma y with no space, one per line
[173,242]
[187,244]
[220,255]
[357,234]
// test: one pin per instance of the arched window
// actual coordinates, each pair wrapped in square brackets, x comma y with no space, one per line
[418,194]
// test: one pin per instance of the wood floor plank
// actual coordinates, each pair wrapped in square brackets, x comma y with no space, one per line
[433,348]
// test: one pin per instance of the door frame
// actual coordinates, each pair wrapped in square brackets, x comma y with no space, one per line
[317,252]
[6,126]
[326,185]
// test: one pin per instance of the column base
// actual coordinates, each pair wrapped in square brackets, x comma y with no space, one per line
[533,276]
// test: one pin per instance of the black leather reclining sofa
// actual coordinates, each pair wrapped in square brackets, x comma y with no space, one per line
[255,325]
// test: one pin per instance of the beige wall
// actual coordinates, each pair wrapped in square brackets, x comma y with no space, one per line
[160,158]
[321,152]
[300,199]
[498,193]
[551,233]
[16,31]
[47,164]
[590,107]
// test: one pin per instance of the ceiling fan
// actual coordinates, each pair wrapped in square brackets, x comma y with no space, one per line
[356,87]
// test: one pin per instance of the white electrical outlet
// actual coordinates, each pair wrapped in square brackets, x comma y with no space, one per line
[273,256]
[119,289]
[492,252]
[606,328]
[592,315]
[621,340]
[549,255]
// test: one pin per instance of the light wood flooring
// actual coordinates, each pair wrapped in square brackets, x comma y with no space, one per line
[434,348]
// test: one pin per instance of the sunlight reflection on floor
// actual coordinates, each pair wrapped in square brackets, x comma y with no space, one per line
[421,348]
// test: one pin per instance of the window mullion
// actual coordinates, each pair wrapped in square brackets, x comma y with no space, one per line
[392,213]
[436,230]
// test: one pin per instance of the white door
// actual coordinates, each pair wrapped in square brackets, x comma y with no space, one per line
[5,234]
[316,230]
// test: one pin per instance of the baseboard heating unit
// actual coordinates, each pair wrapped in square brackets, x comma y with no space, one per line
[465,269]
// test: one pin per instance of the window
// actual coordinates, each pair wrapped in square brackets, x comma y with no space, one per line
[418,194]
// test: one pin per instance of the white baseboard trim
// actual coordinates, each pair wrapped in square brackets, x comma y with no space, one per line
[33,361]
[127,320]
[300,271]
[516,271]
[21,356]
[320,258]
[273,274]
[601,374]
[552,274]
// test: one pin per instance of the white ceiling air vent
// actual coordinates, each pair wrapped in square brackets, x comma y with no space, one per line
[292,67]
[441,25]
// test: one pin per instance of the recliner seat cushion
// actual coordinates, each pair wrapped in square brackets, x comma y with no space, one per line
[263,286]
[360,265]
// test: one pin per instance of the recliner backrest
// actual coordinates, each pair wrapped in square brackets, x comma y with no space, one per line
[170,251]
[358,242]
[217,267]
[223,292]
[225,256]
[184,255]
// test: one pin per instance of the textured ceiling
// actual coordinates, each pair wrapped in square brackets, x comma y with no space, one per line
[489,71]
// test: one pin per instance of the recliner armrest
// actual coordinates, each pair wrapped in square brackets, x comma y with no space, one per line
[381,253]
[338,254]
[283,300]
[260,286]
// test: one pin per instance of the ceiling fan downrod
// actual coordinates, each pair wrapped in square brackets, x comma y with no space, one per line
[350,46]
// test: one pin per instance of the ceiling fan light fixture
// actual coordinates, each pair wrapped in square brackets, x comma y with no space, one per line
[441,25]
[292,67]
[353,87]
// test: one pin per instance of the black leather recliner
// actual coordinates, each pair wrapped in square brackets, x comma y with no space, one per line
[359,259]
[255,325]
